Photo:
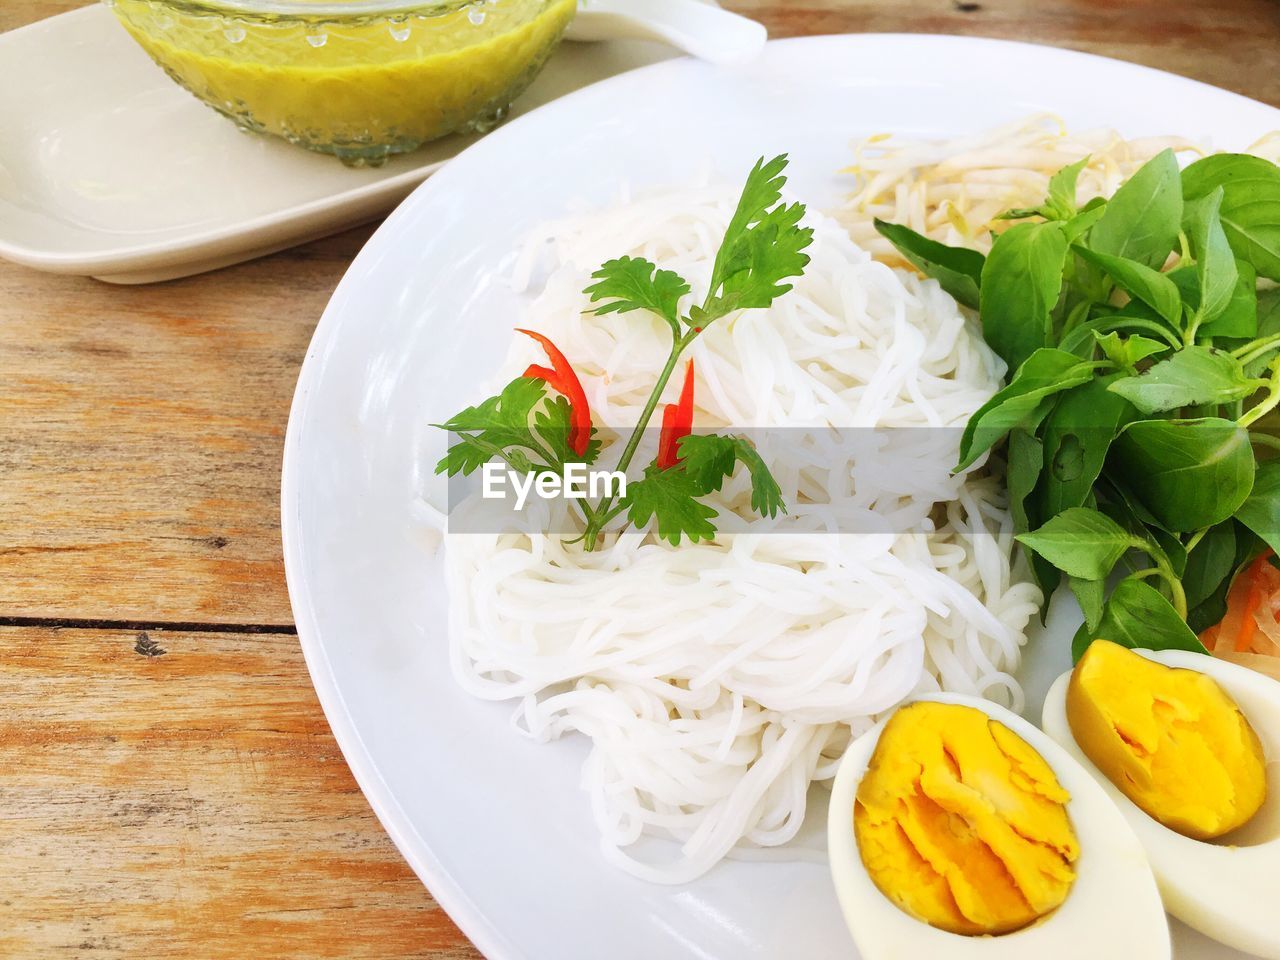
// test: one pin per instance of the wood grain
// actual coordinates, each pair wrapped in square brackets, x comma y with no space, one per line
[179,795]
[1233,44]
[192,803]
[142,438]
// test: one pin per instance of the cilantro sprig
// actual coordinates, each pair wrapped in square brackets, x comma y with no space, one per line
[1145,371]
[532,431]
[501,428]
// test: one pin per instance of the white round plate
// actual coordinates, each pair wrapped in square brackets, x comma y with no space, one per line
[494,824]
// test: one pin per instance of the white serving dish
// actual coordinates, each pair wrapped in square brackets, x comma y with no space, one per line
[494,824]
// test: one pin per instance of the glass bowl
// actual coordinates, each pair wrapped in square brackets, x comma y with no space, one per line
[360,79]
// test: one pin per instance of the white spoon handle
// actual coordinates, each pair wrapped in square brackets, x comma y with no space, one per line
[699,29]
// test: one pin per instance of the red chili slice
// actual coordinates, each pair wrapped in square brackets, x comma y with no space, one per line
[666,439]
[537,372]
[677,422]
[562,378]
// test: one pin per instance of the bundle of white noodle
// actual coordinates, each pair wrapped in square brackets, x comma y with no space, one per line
[717,681]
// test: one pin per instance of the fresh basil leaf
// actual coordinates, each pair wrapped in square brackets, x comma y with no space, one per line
[1080,542]
[1209,563]
[1240,316]
[1268,312]
[1190,377]
[1139,617]
[957,269]
[1215,263]
[1188,473]
[1138,280]
[1047,577]
[1026,461]
[1213,608]
[1076,436]
[1123,507]
[1142,219]
[1021,281]
[1188,283]
[1129,511]
[1128,352]
[1170,547]
[1137,310]
[1080,339]
[1023,402]
[1091,595]
[1061,202]
[1083,222]
[1250,209]
[1239,319]
[1268,326]
[1260,511]
[1209,611]
[1020,213]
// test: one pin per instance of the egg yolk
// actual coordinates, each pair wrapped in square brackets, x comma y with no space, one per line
[1171,740]
[962,824]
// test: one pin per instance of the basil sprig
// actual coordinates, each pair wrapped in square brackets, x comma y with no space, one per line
[1142,333]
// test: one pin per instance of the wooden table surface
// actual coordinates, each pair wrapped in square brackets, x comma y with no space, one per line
[169,785]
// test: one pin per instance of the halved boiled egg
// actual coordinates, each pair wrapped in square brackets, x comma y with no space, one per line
[1188,748]
[959,830]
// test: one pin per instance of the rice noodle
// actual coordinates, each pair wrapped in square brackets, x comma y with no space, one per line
[717,681]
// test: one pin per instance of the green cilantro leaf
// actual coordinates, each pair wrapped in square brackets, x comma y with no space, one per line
[492,426]
[466,456]
[470,453]
[633,283]
[762,190]
[671,497]
[761,248]
[553,423]
[710,458]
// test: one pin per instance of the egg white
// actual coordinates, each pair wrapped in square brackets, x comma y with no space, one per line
[1112,912]
[1228,892]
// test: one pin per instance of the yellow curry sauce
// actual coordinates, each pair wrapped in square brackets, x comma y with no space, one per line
[355,82]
